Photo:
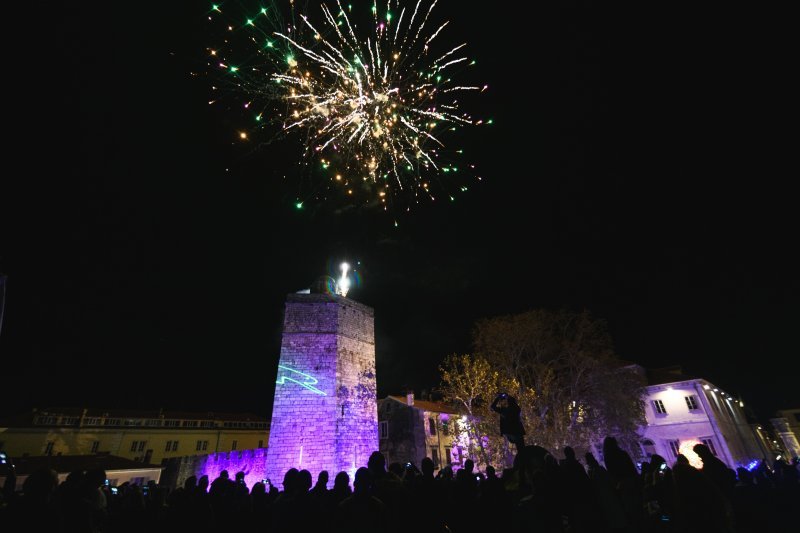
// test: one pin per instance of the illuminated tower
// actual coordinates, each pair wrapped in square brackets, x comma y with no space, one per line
[325,412]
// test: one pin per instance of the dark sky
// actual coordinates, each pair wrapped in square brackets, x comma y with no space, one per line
[639,167]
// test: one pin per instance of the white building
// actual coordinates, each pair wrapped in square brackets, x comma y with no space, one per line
[683,411]
[787,428]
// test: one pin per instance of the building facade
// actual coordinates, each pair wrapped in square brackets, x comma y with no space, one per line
[148,437]
[787,429]
[683,411]
[411,430]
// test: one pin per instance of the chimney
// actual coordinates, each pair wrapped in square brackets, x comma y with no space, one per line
[410,397]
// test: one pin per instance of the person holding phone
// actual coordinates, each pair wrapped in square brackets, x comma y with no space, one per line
[510,423]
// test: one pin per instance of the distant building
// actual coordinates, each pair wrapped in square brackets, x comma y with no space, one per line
[411,430]
[682,411]
[144,436]
[118,469]
[787,429]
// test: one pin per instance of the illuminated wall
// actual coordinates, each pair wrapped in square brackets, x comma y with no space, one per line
[324,416]
[251,462]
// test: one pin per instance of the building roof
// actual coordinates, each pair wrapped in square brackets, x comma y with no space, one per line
[71,463]
[27,419]
[425,405]
[667,374]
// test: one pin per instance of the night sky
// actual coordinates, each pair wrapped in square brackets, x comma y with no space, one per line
[639,167]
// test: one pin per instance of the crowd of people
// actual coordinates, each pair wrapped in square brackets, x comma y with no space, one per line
[539,494]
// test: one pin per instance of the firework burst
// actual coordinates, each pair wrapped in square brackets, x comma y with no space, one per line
[374,109]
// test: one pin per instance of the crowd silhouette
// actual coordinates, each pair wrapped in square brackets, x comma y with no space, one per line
[539,494]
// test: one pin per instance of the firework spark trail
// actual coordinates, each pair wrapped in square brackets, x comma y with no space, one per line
[374,106]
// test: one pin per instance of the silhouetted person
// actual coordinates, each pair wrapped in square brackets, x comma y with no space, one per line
[719,474]
[361,512]
[699,504]
[626,480]
[577,488]
[613,515]
[36,508]
[341,488]
[321,488]
[510,423]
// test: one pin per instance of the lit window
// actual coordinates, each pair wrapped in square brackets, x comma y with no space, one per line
[709,442]
[658,407]
[691,402]
[384,425]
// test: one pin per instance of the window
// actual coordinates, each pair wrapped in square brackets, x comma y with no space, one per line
[435,457]
[95,446]
[205,445]
[141,445]
[202,445]
[134,445]
[174,446]
[649,447]
[260,443]
[448,456]
[234,444]
[709,442]
[69,420]
[112,422]
[432,426]
[48,449]
[445,427]
[658,407]
[674,446]
[169,446]
[384,425]
[172,423]
[691,402]
[190,423]
[199,445]
[91,421]
[153,422]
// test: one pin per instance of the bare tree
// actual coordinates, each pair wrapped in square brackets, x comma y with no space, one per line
[573,390]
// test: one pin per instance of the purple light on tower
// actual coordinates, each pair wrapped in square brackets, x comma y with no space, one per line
[324,416]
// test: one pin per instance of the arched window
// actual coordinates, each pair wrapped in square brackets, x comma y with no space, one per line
[648,447]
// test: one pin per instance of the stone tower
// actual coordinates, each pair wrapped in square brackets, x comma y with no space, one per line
[325,412]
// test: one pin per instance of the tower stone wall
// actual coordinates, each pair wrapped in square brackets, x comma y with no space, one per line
[324,416]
